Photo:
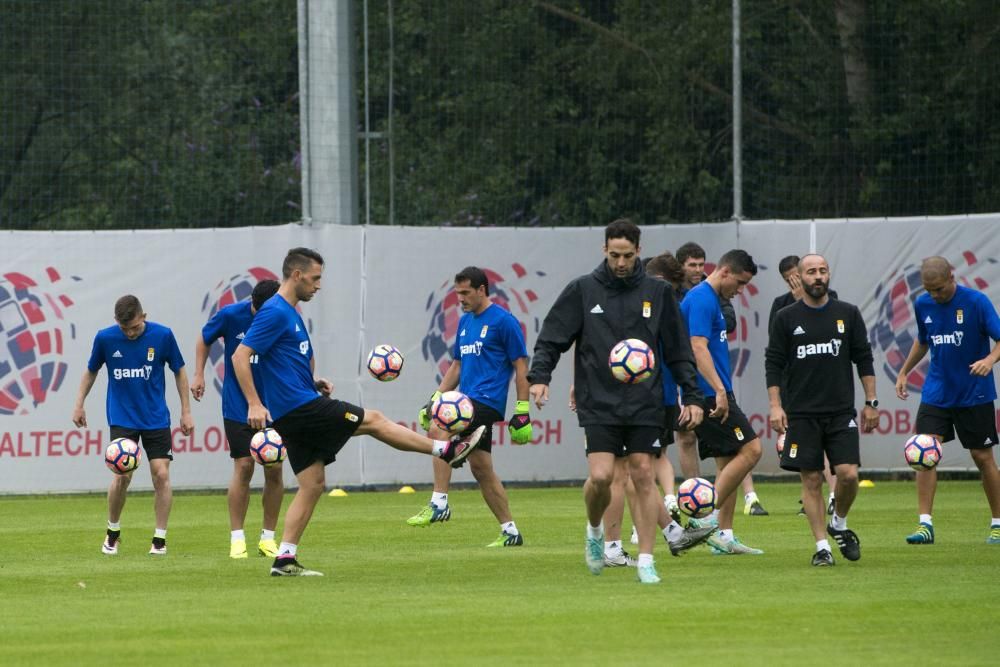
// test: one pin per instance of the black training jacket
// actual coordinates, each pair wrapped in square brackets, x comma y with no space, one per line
[596,311]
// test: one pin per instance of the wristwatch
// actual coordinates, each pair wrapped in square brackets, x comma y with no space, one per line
[872,403]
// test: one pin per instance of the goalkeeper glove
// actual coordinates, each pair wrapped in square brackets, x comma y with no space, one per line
[520,424]
[424,416]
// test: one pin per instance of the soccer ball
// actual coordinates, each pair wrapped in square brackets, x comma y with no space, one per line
[922,452]
[696,497]
[779,444]
[452,411]
[266,448]
[385,363]
[631,361]
[122,456]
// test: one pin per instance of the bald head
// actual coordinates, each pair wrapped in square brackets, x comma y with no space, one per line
[815,274]
[935,268]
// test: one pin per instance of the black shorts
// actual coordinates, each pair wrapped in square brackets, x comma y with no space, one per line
[622,440]
[484,415]
[672,412]
[808,438]
[239,435]
[718,439]
[976,425]
[156,442]
[317,431]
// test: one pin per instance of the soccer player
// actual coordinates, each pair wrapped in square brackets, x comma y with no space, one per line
[956,324]
[692,260]
[231,323]
[488,350]
[135,352]
[726,434]
[313,425]
[615,301]
[788,267]
[812,346]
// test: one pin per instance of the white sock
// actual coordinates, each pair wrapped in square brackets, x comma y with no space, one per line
[266,534]
[237,535]
[673,529]
[726,535]
[925,518]
[439,500]
[612,547]
[437,449]
[595,532]
[287,549]
[995,523]
[114,525]
[822,544]
[714,515]
[669,499]
[645,560]
[838,522]
[509,528]
[161,533]
[831,496]
[751,497]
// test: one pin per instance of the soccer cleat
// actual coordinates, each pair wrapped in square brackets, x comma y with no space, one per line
[755,509]
[731,548]
[847,540]
[802,510]
[994,536]
[238,549]
[460,446]
[267,548]
[830,506]
[692,536]
[507,540]
[111,542]
[289,567]
[594,554]
[647,574]
[158,547]
[619,559]
[710,520]
[428,515]
[635,536]
[923,535]
[822,558]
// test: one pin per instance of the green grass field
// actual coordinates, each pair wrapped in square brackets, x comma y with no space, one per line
[393,594]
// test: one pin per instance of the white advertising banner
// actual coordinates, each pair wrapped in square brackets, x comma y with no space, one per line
[393,285]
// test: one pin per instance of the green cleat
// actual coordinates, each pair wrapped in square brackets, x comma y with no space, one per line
[429,515]
[647,574]
[594,554]
[710,520]
[755,509]
[994,536]
[268,548]
[923,535]
[238,549]
[731,548]
[507,540]
[289,567]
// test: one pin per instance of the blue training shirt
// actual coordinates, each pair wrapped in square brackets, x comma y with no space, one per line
[703,315]
[136,383]
[279,338]
[487,345]
[669,384]
[231,324]
[957,333]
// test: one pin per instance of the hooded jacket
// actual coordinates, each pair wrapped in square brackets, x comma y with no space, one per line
[596,311]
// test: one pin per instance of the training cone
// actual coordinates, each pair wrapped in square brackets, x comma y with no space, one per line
[338,493]
[866,484]
[406,489]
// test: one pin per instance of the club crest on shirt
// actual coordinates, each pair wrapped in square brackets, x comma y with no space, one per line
[150,353]
[482,334]
[840,326]
[647,309]
[959,316]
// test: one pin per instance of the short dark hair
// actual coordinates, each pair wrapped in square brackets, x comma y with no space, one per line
[788,263]
[477,277]
[127,308]
[623,228]
[263,291]
[299,259]
[666,266]
[689,250]
[738,261]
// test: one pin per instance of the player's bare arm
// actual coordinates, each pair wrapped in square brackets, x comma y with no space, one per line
[983,367]
[869,415]
[187,421]
[257,414]
[917,352]
[703,360]
[86,383]
[539,394]
[200,358]
[322,385]
[777,416]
